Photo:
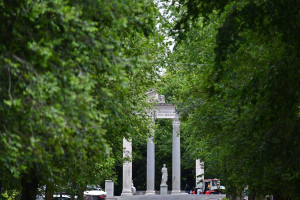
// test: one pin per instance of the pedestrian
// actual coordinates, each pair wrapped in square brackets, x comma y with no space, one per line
[187,188]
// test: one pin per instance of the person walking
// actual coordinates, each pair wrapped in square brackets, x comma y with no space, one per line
[187,188]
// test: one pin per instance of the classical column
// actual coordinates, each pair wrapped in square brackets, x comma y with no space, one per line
[150,163]
[199,171]
[127,168]
[176,157]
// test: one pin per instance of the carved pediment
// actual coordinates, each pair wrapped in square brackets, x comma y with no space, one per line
[154,97]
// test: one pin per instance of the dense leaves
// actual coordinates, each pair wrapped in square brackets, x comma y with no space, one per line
[73,75]
[72,78]
[235,76]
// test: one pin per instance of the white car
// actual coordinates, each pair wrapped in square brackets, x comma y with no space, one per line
[64,197]
[94,195]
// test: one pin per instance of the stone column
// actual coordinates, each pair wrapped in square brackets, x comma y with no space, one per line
[176,167]
[199,171]
[150,163]
[127,168]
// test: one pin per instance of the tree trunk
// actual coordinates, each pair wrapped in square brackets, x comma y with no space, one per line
[0,188]
[73,190]
[80,193]
[49,191]
[252,195]
[29,183]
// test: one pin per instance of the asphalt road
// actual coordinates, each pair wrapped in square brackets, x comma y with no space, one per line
[171,197]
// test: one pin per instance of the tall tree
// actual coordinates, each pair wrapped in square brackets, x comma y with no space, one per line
[73,75]
[235,76]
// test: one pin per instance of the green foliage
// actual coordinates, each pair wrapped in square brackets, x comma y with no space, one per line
[73,76]
[163,149]
[235,77]
[163,155]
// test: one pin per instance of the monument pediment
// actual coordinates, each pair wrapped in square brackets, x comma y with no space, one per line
[154,97]
[162,110]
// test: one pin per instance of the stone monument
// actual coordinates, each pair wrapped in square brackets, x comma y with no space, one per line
[160,110]
[164,179]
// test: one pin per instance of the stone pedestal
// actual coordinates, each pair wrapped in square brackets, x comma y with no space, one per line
[176,167]
[163,189]
[109,188]
[127,168]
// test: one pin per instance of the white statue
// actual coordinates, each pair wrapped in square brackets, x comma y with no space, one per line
[164,177]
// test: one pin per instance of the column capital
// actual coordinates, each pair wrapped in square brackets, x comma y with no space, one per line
[176,122]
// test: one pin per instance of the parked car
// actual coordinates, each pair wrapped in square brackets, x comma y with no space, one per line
[56,197]
[64,197]
[96,193]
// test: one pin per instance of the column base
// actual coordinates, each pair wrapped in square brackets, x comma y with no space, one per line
[126,193]
[175,192]
[150,192]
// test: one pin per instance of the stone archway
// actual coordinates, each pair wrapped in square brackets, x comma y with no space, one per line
[161,110]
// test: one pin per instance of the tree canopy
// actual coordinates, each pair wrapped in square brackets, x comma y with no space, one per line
[235,77]
[73,75]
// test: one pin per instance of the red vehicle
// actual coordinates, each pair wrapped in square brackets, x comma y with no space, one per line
[211,186]
[213,192]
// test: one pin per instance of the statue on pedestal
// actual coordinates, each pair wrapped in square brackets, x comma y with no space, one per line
[164,177]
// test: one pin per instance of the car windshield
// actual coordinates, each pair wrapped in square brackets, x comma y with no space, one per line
[214,183]
[93,187]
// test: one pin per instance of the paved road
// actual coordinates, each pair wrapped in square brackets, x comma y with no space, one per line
[172,197]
